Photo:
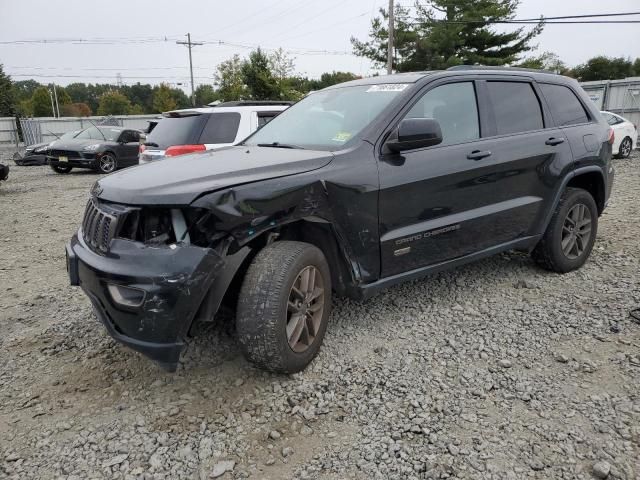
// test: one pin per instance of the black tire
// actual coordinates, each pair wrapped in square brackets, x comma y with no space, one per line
[549,252]
[264,307]
[107,163]
[61,168]
[624,150]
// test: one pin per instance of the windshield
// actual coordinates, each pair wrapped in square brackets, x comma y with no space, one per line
[69,135]
[328,119]
[100,133]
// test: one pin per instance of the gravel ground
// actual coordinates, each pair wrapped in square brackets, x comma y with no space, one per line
[498,370]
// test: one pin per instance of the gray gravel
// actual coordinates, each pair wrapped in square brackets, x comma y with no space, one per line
[498,370]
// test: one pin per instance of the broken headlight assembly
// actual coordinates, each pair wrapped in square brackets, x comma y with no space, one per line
[157,227]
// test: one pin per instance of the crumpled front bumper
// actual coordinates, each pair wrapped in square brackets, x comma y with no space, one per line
[174,281]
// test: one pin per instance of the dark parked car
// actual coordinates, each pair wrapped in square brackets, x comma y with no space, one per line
[355,188]
[36,154]
[103,148]
[4,172]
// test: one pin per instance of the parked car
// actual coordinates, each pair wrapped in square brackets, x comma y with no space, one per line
[36,154]
[101,148]
[4,172]
[208,128]
[626,134]
[355,188]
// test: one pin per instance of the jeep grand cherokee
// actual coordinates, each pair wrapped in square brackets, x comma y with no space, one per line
[353,189]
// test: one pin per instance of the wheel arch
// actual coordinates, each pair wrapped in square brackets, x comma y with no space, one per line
[593,182]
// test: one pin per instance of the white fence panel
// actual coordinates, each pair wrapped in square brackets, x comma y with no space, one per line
[8,130]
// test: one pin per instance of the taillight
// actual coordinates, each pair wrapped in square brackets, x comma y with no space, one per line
[176,150]
[142,148]
[612,136]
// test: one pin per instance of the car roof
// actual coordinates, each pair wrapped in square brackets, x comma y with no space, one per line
[201,110]
[415,77]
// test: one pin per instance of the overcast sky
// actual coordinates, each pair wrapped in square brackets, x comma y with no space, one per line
[133,30]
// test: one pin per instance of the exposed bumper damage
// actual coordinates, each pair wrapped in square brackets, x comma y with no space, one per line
[147,298]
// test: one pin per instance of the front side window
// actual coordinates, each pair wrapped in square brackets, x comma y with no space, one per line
[266,117]
[564,105]
[516,107]
[455,108]
[328,119]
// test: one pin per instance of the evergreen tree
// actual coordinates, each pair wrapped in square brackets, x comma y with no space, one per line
[7,98]
[445,33]
[257,74]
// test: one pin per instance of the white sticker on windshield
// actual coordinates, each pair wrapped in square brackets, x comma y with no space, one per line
[388,87]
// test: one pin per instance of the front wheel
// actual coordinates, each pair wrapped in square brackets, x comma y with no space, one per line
[625,148]
[284,306]
[571,233]
[60,168]
[107,163]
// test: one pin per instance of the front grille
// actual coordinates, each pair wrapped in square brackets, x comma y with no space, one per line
[98,226]
[65,153]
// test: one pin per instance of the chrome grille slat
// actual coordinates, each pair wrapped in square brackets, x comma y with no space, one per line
[98,226]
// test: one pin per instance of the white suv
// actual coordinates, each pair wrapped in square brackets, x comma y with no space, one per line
[208,128]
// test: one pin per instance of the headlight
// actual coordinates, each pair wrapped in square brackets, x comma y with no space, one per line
[91,148]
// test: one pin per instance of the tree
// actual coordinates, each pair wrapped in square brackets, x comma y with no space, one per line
[604,68]
[205,94]
[41,103]
[636,67]
[163,100]
[282,65]
[139,94]
[257,75]
[7,100]
[23,90]
[442,33]
[113,103]
[333,78]
[546,61]
[79,109]
[230,80]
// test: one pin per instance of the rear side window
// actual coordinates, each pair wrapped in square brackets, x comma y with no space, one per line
[176,131]
[455,108]
[564,105]
[266,117]
[516,106]
[221,128]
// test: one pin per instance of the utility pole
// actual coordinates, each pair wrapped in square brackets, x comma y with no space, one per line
[55,94]
[189,45]
[53,108]
[390,42]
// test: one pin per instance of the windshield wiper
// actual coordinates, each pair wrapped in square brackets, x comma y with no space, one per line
[150,144]
[279,145]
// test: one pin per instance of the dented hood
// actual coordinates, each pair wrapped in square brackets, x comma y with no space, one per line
[180,180]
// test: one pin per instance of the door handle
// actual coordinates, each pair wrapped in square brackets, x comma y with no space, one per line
[478,155]
[554,141]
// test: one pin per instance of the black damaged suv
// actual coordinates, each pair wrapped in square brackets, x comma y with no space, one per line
[353,189]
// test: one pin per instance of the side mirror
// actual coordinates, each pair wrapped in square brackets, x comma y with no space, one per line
[415,133]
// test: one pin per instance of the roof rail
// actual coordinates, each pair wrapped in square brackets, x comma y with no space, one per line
[509,69]
[253,103]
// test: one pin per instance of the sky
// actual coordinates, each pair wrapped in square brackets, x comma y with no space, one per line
[137,38]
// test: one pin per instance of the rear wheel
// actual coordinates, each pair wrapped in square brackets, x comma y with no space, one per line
[625,148]
[284,306]
[107,163]
[61,168]
[571,233]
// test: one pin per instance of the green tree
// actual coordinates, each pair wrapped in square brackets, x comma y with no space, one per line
[442,33]
[41,103]
[604,68]
[7,97]
[636,67]
[205,94]
[257,75]
[23,90]
[113,103]
[137,110]
[333,78]
[545,61]
[163,100]
[230,81]
[140,94]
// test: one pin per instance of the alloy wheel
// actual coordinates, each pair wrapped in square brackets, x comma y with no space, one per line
[305,308]
[576,231]
[625,147]
[107,163]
